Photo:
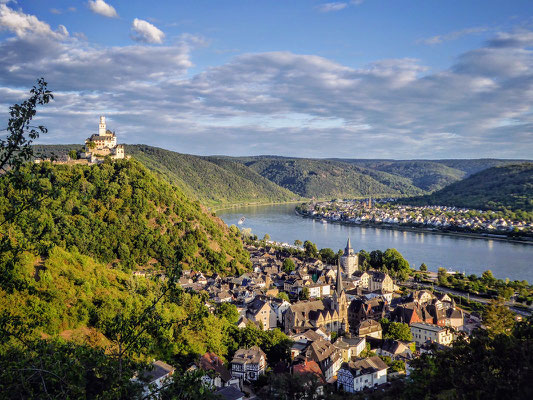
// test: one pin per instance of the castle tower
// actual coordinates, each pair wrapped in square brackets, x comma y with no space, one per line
[102,128]
[349,260]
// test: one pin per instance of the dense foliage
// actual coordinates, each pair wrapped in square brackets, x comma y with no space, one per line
[427,175]
[329,179]
[505,188]
[211,180]
[482,367]
[119,213]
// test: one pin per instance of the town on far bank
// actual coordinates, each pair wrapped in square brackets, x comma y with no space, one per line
[389,213]
[355,320]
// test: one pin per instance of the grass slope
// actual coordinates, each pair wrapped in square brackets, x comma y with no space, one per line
[497,188]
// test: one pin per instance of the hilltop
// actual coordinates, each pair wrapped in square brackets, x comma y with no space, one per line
[497,188]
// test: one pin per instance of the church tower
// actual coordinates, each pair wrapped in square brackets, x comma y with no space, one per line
[349,260]
[102,128]
[340,303]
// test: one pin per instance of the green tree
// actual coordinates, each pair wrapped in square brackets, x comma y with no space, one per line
[442,276]
[488,278]
[328,256]
[497,318]
[423,267]
[288,265]
[283,296]
[298,243]
[266,238]
[398,331]
[310,249]
[304,294]
[227,311]
[394,262]
[73,154]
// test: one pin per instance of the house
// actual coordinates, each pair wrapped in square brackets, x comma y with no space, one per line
[350,346]
[368,373]
[248,364]
[330,314]
[260,311]
[327,356]
[361,279]
[155,378]
[380,281]
[369,328]
[230,393]
[310,367]
[395,349]
[423,333]
[217,375]
[279,306]
[362,309]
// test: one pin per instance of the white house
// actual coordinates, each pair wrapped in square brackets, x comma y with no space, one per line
[368,373]
[248,364]
[155,378]
[423,332]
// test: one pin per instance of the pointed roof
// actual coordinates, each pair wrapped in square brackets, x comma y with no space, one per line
[338,288]
[348,250]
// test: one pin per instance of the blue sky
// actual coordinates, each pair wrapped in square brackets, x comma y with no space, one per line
[360,79]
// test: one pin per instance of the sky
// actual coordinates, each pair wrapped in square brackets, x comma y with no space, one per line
[401,79]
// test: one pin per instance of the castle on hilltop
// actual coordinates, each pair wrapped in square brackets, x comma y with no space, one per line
[102,144]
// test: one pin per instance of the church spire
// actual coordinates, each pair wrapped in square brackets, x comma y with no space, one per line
[338,288]
[348,251]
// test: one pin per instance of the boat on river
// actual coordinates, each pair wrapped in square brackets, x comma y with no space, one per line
[241,221]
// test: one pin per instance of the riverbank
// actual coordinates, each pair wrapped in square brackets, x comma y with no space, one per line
[415,229]
[240,205]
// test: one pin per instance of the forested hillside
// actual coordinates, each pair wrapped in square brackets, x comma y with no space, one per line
[503,187]
[329,179]
[211,180]
[221,180]
[121,214]
[427,175]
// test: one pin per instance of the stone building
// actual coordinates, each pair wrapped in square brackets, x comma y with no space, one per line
[349,260]
[330,313]
[102,144]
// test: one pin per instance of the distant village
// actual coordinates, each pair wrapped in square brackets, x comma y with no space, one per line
[332,314]
[433,217]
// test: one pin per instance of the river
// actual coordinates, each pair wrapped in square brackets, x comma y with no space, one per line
[470,255]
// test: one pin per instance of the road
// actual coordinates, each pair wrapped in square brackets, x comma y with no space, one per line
[510,304]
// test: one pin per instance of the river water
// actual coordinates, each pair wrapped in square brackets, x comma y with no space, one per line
[470,255]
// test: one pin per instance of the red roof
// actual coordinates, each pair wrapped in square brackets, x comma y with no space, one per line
[210,361]
[309,367]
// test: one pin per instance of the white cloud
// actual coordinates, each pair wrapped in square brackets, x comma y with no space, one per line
[329,7]
[438,39]
[102,8]
[144,31]
[24,24]
[281,102]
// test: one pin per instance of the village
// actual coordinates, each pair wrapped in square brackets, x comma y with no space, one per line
[351,329]
[383,212]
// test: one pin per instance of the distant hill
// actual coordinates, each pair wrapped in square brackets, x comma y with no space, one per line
[122,214]
[213,181]
[329,178]
[497,188]
[222,180]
